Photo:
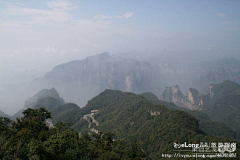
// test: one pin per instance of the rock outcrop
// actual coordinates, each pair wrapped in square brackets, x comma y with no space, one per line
[174,95]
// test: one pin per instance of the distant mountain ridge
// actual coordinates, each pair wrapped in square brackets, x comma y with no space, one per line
[200,75]
[78,81]
[88,77]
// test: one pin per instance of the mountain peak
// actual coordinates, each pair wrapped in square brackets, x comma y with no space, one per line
[47,93]
[171,94]
[175,89]
[174,95]
[44,93]
[48,98]
[101,56]
[89,77]
[104,54]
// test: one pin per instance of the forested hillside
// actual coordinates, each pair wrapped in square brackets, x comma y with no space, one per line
[146,127]
[206,123]
[30,138]
[133,118]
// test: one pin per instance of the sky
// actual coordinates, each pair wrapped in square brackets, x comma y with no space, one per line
[38,35]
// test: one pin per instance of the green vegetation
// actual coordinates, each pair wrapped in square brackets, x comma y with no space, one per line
[132,118]
[134,129]
[217,129]
[67,113]
[30,138]
[208,126]
[49,103]
[223,105]
[226,88]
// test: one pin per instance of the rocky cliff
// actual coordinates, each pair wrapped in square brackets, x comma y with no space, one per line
[78,81]
[173,94]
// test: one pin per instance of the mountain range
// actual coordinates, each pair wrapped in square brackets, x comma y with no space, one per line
[88,77]
[80,80]
[144,119]
[137,120]
[217,110]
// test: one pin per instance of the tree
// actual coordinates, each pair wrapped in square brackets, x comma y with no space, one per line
[30,138]
[38,114]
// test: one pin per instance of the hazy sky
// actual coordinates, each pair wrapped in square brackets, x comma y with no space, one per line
[41,34]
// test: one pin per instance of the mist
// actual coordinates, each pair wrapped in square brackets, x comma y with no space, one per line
[37,36]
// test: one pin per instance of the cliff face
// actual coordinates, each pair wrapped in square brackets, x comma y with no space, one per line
[79,81]
[174,95]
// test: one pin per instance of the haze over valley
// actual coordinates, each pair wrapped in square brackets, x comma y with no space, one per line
[87,79]
[175,42]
